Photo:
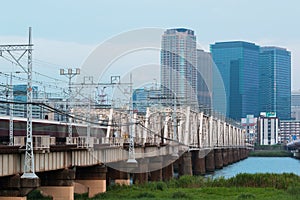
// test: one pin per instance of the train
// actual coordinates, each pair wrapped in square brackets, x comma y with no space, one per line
[41,127]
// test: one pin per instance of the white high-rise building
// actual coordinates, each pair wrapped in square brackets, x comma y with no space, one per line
[178,65]
[267,128]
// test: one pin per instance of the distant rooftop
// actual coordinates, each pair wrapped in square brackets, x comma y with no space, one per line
[179,30]
[231,44]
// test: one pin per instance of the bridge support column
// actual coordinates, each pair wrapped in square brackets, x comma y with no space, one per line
[58,192]
[230,156]
[225,157]
[92,180]
[210,161]
[118,177]
[168,172]
[245,153]
[155,167]
[13,198]
[242,154]
[218,158]
[238,154]
[198,162]
[59,184]
[15,187]
[235,155]
[185,164]
[142,176]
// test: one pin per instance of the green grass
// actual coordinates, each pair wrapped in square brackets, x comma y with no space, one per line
[243,186]
[213,193]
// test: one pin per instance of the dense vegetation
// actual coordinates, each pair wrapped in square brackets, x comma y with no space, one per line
[270,153]
[242,186]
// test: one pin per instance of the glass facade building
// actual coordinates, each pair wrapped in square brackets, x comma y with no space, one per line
[204,79]
[145,97]
[275,81]
[238,63]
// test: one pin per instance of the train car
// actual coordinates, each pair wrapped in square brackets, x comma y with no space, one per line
[40,127]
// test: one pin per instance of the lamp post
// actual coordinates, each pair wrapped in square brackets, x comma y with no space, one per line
[70,73]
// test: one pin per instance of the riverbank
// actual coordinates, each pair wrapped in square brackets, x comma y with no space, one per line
[270,153]
[243,186]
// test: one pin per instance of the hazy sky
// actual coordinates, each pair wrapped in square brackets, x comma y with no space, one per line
[65,32]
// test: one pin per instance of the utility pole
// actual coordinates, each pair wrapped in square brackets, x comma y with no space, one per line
[131,156]
[11,120]
[29,171]
[29,159]
[70,74]
[175,153]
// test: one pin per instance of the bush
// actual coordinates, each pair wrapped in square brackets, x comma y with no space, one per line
[161,186]
[36,195]
[179,195]
[294,190]
[145,195]
[246,196]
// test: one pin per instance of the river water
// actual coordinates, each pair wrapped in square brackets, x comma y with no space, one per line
[260,165]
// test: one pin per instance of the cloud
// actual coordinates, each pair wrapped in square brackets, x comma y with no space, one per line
[50,55]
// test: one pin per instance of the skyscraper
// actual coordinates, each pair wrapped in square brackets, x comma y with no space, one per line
[204,78]
[238,64]
[275,81]
[178,65]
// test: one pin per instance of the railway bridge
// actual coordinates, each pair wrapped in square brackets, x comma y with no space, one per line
[122,149]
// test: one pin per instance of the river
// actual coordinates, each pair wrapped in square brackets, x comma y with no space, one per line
[260,165]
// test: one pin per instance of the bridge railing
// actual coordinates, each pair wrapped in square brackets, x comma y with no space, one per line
[40,142]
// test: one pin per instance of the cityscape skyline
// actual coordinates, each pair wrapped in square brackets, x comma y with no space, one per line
[237,62]
[66,39]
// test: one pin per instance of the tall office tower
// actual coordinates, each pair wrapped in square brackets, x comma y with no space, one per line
[275,81]
[204,79]
[178,65]
[295,105]
[238,64]
[20,95]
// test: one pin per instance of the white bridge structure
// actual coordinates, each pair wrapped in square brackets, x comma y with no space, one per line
[163,140]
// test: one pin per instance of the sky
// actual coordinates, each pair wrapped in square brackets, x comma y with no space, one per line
[66,32]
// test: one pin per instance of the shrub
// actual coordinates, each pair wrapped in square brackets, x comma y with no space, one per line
[161,186]
[145,195]
[246,196]
[179,195]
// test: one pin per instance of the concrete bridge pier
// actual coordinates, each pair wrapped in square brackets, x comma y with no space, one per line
[118,177]
[91,179]
[198,162]
[225,157]
[230,156]
[155,168]
[16,188]
[210,161]
[142,176]
[242,153]
[185,164]
[58,184]
[168,172]
[218,158]
[236,155]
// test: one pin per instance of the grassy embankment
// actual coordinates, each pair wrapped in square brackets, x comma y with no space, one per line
[270,151]
[243,186]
